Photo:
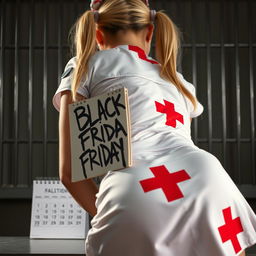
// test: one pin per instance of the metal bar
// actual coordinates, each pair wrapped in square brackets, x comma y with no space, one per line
[30,92]
[252,106]
[217,45]
[194,67]
[179,12]
[218,140]
[59,40]
[223,87]
[75,13]
[248,192]
[186,45]
[237,81]
[163,5]
[38,141]
[16,97]
[229,140]
[209,82]
[16,193]
[2,88]
[45,89]
[37,47]
[76,8]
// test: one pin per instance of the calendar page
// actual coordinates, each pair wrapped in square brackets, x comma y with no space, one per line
[55,214]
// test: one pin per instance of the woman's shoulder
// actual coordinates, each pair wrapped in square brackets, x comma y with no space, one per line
[191,87]
[186,83]
[102,55]
[71,64]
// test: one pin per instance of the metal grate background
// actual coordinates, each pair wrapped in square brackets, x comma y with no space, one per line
[218,57]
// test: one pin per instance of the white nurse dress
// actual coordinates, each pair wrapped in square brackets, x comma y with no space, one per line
[176,199]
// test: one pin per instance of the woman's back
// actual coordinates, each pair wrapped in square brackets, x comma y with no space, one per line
[160,114]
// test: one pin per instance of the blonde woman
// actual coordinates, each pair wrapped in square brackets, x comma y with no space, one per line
[176,199]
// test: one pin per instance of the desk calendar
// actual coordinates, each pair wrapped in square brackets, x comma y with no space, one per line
[55,214]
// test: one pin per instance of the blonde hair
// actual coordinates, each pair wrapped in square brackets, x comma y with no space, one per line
[115,15]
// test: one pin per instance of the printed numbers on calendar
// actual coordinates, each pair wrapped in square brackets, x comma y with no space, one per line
[36,223]
[54,212]
[57,213]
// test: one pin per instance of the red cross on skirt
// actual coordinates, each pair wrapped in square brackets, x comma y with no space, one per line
[171,114]
[166,181]
[230,229]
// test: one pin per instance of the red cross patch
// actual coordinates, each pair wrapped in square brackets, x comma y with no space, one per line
[165,181]
[141,54]
[230,229]
[171,114]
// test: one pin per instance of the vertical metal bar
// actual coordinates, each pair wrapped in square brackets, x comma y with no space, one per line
[237,79]
[194,65]
[76,8]
[46,3]
[59,40]
[223,87]
[163,4]
[209,82]
[179,12]
[2,88]
[30,92]
[75,13]
[250,29]
[16,96]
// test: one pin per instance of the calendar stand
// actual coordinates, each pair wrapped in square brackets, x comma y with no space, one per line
[55,214]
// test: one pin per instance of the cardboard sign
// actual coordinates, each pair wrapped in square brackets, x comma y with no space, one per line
[100,134]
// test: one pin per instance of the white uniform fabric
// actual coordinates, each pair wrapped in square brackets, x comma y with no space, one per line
[176,199]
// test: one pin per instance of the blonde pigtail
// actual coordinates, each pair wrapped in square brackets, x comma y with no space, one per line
[167,49]
[85,47]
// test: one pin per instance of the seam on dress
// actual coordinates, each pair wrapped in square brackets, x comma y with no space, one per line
[194,241]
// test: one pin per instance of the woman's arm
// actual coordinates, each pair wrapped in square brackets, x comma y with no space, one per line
[83,191]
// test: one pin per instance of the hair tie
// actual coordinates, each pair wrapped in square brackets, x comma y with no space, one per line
[146,2]
[96,4]
[96,15]
[152,15]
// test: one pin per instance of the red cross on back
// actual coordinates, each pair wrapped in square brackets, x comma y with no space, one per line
[230,229]
[171,114]
[166,181]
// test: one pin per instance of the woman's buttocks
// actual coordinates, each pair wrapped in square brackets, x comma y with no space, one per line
[151,145]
